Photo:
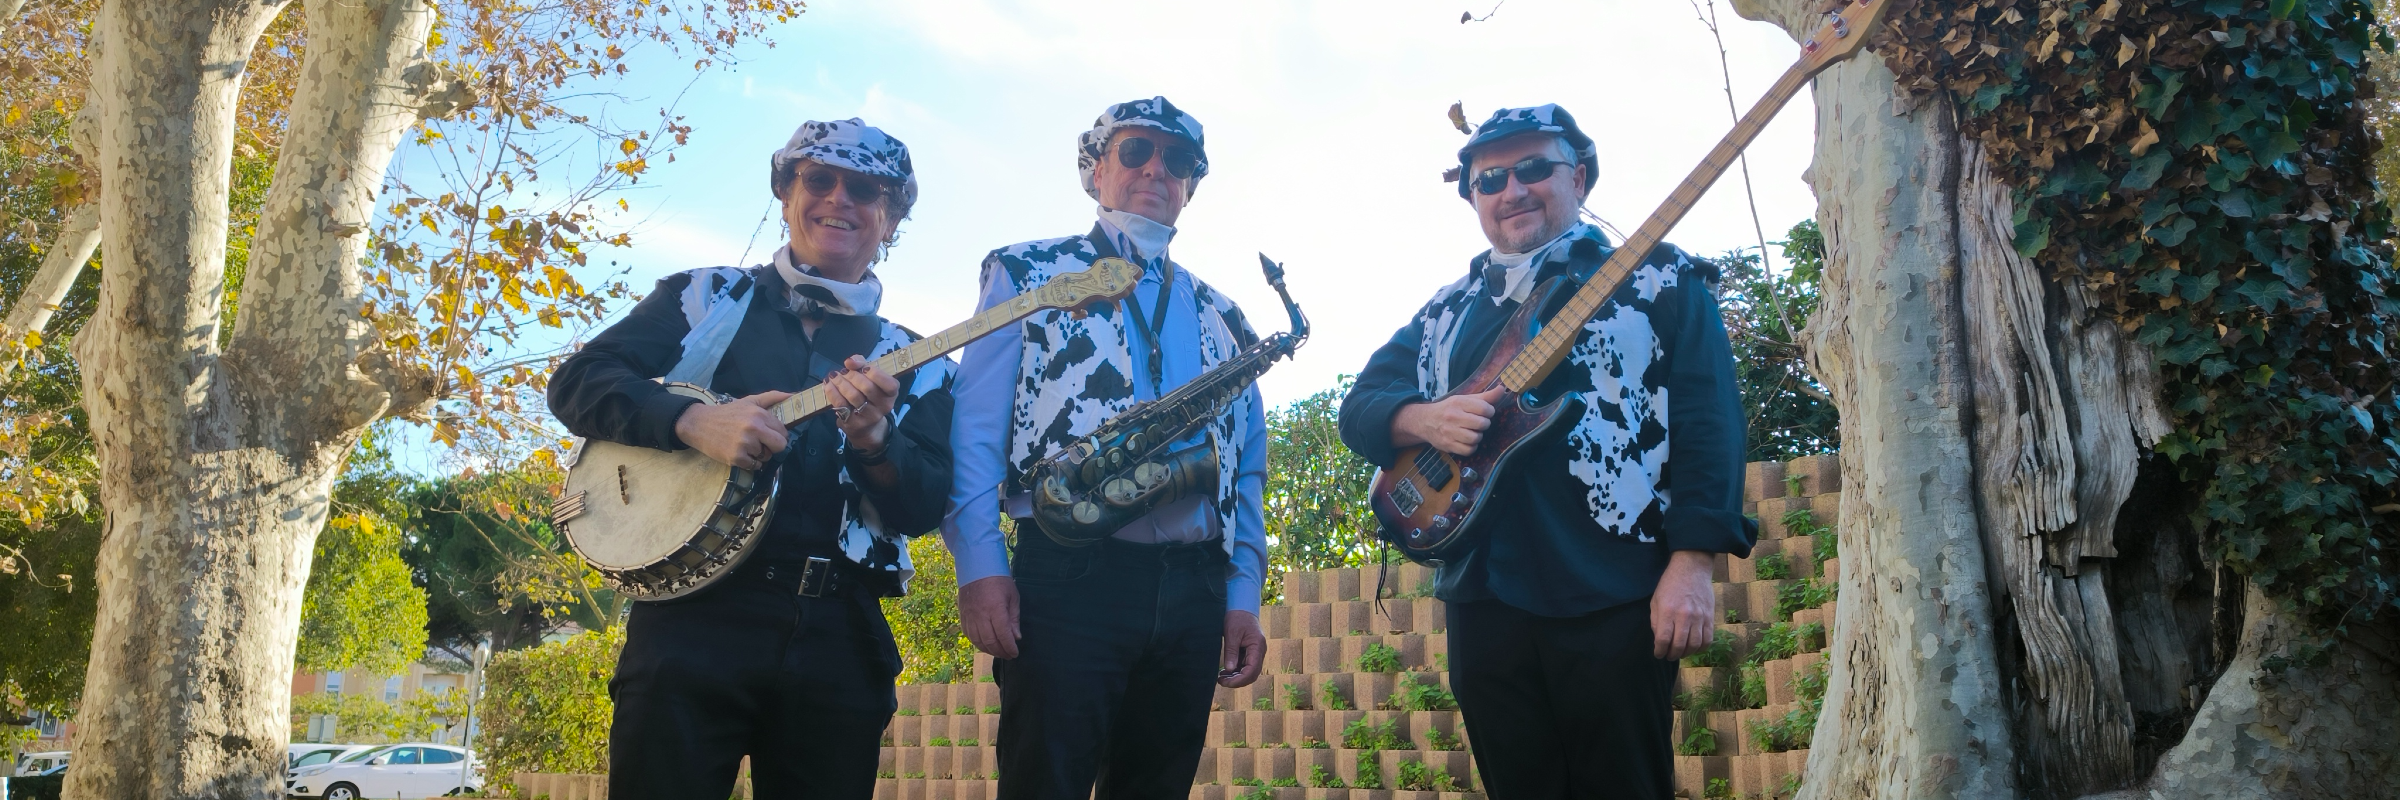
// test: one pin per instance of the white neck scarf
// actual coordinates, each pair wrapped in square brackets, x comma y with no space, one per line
[812,293]
[1513,272]
[1146,234]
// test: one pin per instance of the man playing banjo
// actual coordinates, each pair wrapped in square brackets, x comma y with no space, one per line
[787,658]
[1109,653]
[1592,579]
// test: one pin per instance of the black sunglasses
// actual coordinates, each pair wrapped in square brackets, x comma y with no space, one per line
[820,181]
[1529,172]
[1134,151]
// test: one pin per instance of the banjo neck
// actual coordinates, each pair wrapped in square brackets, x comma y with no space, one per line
[1107,279]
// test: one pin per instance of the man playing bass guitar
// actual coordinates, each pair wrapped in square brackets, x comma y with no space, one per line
[1591,574]
[788,658]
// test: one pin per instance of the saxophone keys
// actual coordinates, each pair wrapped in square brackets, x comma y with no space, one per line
[1087,513]
[1120,492]
[1150,474]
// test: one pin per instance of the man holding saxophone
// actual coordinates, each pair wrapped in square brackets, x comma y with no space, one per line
[1108,653]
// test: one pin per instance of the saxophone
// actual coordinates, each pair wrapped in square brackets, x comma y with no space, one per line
[1088,490]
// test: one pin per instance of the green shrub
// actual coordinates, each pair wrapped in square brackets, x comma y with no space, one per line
[1435,739]
[546,709]
[1718,789]
[1362,735]
[1370,771]
[1754,686]
[1779,641]
[1295,696]
[938,741]
[1318,778]
[1313,743]
[1416,777]
[933,646]
[1331,693]
[1379,657]
[1265,702]
[1701,740]
[1774,567]
[1718,653]
[1284,783]
[1423,695]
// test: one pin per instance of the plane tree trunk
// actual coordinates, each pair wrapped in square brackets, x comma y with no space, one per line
[216,464]
[2024,607]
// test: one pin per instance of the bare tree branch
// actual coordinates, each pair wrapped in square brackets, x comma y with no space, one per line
[60,266]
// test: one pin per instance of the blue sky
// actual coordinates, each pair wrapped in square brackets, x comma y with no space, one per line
[1325,124]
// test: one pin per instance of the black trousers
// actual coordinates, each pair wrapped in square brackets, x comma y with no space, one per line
[1563,707]
[1114,675]
[801,685]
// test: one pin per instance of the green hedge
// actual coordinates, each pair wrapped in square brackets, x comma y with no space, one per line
[546,709]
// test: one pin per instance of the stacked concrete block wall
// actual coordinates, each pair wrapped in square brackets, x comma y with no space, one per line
[1387,662]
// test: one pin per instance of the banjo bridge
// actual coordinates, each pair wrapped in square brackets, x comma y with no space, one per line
[624,486]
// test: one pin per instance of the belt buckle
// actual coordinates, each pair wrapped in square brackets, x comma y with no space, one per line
[816,577]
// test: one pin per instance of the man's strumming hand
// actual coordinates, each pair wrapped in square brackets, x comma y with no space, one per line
[742,433]
[1453,424]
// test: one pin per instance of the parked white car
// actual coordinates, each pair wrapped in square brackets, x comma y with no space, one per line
[31,764]
[395,770]
[306,754]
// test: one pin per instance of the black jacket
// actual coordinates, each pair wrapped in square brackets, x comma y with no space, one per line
[605,391]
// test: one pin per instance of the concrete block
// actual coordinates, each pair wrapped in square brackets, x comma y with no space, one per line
[1275,621]
[1300,727]
[1821,474]
[1762,480]
[1827,508]
[1312,620]
[1338,584]
[1262,728]
[1779,681]
[1301,587]
[1353,617]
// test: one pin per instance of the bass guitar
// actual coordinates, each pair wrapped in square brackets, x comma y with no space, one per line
[682,520]
[1427,503]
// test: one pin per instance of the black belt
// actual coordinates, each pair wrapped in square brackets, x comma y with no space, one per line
[819,577]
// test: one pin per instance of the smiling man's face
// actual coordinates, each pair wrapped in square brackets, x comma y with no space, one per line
[1522,217]
[1147,189]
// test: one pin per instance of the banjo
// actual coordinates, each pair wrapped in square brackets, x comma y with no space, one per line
[658,524]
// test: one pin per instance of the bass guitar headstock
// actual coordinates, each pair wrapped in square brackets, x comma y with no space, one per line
[1844,33]
[1108,279]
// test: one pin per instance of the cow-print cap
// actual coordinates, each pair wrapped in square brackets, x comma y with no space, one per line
[1156,113]
[1509,122]
[849,144]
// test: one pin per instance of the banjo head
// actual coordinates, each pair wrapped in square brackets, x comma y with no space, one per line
[659,524]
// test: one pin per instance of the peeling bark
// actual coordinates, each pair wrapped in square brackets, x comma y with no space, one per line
[216,467]
[2077,728]
[1914,706]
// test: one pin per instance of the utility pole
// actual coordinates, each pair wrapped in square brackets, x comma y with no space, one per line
[483,653]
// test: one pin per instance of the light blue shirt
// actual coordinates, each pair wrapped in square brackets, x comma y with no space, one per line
[985,393]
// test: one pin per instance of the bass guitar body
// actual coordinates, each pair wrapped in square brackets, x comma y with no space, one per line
[1429,500]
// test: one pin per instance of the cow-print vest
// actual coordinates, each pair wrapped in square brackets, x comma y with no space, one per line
[1618,450]
[1074,374]
[714,304]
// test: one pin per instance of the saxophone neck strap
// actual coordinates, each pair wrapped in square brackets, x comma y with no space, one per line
[1157,323]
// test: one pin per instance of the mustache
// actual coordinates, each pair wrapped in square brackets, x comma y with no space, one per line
[1511,207]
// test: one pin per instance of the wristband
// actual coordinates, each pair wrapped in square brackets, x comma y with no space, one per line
[867,458]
